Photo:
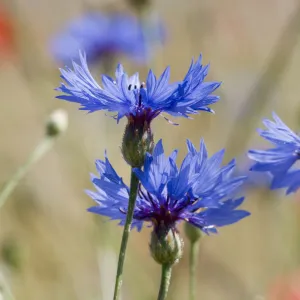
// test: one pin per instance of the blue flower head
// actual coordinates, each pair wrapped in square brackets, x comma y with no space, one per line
[140,102]
[196,192]
[279,159]
[100,35]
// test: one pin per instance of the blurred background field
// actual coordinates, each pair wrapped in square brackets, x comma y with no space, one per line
[51,248]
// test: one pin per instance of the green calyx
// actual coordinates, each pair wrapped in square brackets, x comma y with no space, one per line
[166,245]
[137,141]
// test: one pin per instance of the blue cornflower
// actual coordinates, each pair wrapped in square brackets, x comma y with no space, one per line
[167,194]
[281,158]
[139,102]
[101,35]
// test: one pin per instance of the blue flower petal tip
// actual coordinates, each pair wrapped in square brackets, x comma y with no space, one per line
[141,102]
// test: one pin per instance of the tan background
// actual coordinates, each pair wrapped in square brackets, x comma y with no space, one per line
[52,248]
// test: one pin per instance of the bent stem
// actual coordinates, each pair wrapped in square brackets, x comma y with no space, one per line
[166,272]
[134,182]
[194,248]
[35,156]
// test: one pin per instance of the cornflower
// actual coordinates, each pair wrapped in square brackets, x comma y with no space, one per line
[102,36]
[139,102]
[167,195]
[279,160]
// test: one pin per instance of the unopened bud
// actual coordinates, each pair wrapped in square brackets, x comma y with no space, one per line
[166,245]
[137,141]
[57,123]
[193,233]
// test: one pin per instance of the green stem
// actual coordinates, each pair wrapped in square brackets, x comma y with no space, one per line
[134,182]
[35,156]
[194,248]
[166,272]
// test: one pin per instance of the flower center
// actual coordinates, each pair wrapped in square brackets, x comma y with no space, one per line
[159,214]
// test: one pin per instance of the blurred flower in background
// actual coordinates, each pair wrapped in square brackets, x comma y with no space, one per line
[281,158]
[7,38]
[102,35]
[285,288]
[255,180]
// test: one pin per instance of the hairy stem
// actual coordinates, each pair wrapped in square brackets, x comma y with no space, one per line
[166,272]
[132,198]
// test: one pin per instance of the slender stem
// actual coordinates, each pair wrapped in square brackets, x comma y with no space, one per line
[166,272]
[194,247]
[134,182]
[5,291]
[35,156]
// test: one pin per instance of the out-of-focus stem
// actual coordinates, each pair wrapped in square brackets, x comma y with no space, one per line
[56,125]
[194,250]
[43,147]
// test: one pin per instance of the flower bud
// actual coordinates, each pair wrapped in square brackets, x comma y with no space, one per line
[57,123]
[193,233]
[137,141]
[166,245]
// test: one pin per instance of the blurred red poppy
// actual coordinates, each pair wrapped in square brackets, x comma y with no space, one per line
[7,41]
[285,288]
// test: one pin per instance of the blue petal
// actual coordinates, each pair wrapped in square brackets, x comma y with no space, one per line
[225,215]
[290,180]
[281,158]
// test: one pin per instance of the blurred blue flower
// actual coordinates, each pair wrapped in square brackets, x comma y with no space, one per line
[140,102]
[167,195]
[290,180]
[281,158]
[255,180]
[100,35]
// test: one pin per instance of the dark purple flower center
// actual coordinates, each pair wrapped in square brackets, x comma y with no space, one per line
[158,214]
[166,214]
[143,115]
